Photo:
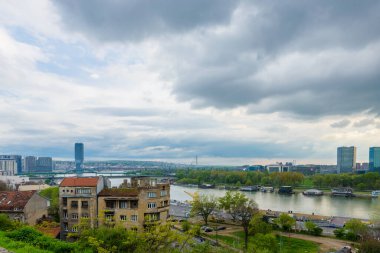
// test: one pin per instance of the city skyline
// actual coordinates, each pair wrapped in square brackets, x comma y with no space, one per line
[235,82]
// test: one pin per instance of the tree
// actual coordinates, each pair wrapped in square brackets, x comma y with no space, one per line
[285,222]
[265,243]
[241,209]
[356,227]
[369,246]
[231,201]
[313,229]
[258,226]
[203,205]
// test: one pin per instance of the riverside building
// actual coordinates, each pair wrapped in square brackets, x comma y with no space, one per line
[346,159]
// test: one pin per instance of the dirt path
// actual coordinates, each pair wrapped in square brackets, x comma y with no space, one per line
[326,244]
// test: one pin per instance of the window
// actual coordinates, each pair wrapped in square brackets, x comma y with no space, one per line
[152,195]
[152,205]
[74,204]
[123,217]
[153,217]
[110,204]
[134,204]
[65,226]
[65,214]
[74,229]
[74,216]
[109,217]
[164,193]
[123,204]
[84,204]
[83,190]
[133,217]
[134,229]
[64,201]
[84,215]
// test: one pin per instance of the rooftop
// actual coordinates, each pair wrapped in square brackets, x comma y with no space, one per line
[14,200]
[119,192]
[79,181]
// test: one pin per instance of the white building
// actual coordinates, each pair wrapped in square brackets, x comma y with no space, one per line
[8,167]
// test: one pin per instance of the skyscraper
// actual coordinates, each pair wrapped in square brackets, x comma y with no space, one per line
[374,159]
[79,157]
[346,159]
[44,164]
[30,164]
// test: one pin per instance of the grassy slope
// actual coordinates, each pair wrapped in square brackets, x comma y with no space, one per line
[17,246]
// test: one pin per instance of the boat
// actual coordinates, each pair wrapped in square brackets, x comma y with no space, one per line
[344,191]
[267,189]
[312,192]
[206,186]
[285,190]
[249,188]
[375,194]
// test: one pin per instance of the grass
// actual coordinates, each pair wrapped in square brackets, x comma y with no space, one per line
[18,247]
[285,244]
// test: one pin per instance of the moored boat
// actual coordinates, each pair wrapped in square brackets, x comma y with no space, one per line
[344,191]
[375,194]
[312,192]
[267,189]
[285,190]
[249,188]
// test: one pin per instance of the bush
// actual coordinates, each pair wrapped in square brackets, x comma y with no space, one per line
[6,224]
[369,246]
[339,233]
[351,236]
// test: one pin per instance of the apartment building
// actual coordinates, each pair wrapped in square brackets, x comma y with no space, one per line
[78,199]
[141,200]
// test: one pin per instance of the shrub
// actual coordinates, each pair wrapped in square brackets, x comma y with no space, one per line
[339,233]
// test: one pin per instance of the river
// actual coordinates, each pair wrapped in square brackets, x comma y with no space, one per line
[362,208]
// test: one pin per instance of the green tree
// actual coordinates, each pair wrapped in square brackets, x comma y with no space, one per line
[313,229]
[264,243]
[258,226]
[230,201]
[52,194]
[285,222]
[356,227]
[203,205]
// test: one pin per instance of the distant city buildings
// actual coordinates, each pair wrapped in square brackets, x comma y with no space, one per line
[30,164]
[10,165]
[44,164]
[346,159]
[79,157]
[374,159]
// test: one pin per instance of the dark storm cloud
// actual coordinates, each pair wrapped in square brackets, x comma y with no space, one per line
[306,58]
[341,124]
[138,19]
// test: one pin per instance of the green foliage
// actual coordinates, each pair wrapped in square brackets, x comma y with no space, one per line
[258,225]
[370,246]
[7,224]
[231,201]
[203,205]
[185,226]
[368,181]
[313,229]
[285,222]
[340,233]
[264,243]
[356,227]
[52,194]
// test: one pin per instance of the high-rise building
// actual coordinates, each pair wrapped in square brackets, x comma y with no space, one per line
[17,159]
[79,157]
[346,159]
[44,164]
[30,164]
[374,159]
[8,167]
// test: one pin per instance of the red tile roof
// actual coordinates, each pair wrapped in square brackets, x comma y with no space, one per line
[14,200]
[79,181]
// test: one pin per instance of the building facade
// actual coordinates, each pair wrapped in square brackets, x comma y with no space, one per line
[374,159]
[25,206]
[30,164]
[16,158]
[346,159]
[136,203]
[44,164]
[79,157]
[78,199]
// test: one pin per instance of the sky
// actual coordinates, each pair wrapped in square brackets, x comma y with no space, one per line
[230,81]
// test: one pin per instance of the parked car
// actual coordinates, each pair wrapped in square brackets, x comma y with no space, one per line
[220,228]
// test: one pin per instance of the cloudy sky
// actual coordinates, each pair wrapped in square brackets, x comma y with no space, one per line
[234,82]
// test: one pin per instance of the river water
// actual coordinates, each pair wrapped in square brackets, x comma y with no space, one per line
[363,208]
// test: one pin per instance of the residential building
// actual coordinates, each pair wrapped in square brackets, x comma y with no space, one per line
[78,199]
[79,157]
[25,206]
[16,158]
[44,164]
[374,159]
[346,159]
[30,164]
[140,201]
